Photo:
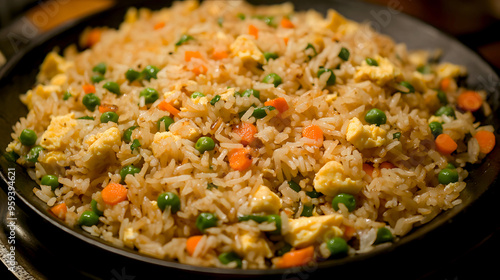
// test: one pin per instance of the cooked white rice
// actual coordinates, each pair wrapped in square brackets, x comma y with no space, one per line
[226,60]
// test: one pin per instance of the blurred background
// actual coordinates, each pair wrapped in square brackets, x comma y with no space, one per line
[476,23]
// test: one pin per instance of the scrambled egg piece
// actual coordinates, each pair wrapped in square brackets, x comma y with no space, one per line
[245,48]
[201,100]
[331,180]
[365,136]
[449,70]
[306,231]
[251,242]
[165,143]
[101,146]
[337,23]
[52,157]
[185,129]
[52,138]
[129,236]
[381,74]
[59,79]
[435,119]
[265,200]
[52,65]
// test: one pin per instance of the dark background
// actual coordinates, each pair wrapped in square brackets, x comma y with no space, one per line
[474,23]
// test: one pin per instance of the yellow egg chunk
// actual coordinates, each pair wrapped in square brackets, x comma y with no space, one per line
[53,137]
[265,201]
[306,231]
[331,180]
[365,136]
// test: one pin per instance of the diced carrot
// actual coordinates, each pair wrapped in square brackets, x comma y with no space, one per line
[254,31]
[60,210]
[218,55]
[279,103]
[315,133]
[296,258]
[192,242]
[246,131]
[368,169]
[188,55]
[349,231]
[114,193]
[93,37]
[88,88]
[239,159]
[445,84]
[286,23]
[107,108]
[470,101]
[286,40]
[387,165]
[486,140]
[199,69]
[165,106]
[159,25]
[444,144]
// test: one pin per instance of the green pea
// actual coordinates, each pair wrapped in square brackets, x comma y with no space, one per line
[312,53]
[445,110]
[269,55]
[450,166]
[249,92]
[95,209]
[150,72]
[96,79]
[150,95]
[383,235]
[215,100]
[112,87]
[276,219]
[241,16]
[338,247]
[184,38]
[88,218]
[169,199]
[129,169]
[206,220]
[284,249]
[375,116]
[372,62]
[347,199]
[204,144]
[109,117]
[396,135]
[294,186]
[307,211]
[135,145]
[50,180]
[165,121]
[100,68]
[66,95]
[127,134]
[447,176]
[90,101]
[407,85]
[344,54]
[424,69]
[331,80]
[197,94]
[441,95]
[272,78]
[436,128]
[132,75]
[229,257]
[11,156]
[33,154]
[260,113]
[28,137]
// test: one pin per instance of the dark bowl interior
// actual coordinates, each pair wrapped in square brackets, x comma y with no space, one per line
[19,75]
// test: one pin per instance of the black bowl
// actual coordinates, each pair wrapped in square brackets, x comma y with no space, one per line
[43,235]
